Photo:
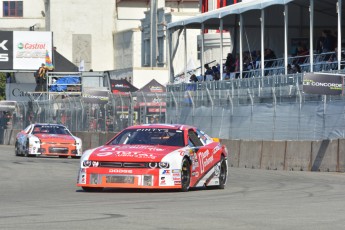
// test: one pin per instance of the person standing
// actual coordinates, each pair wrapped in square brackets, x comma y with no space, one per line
[41,79]
[209,74]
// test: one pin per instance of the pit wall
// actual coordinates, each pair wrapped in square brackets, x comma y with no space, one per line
[324,155]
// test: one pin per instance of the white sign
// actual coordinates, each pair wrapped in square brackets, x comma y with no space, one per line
[30,49]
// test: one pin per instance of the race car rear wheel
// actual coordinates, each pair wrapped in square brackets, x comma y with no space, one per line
[223,172]
[185,175]
[92,189]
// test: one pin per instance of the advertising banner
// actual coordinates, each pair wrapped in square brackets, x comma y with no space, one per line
[24,50]
[7,106]
[121,86]
[95,96]
[6,54]
[323,84]
[19,92]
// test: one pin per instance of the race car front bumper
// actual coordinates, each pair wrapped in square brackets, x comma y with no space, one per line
[129,178]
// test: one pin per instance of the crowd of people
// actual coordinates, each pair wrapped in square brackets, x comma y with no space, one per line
[325,44]
[231,67]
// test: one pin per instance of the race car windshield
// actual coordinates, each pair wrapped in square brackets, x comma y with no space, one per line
[150,136]
[50,129]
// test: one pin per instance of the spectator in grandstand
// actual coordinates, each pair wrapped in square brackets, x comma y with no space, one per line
[302,50]
[216,73]
[209,74]
[248,63]
[329,41]
[334,58]
[253,58]
[229,66]
[319,43]
[289,69]
[297,68]
[257,59]
[193,78]
[237,66]
[200,77]
[269,57]
[301,53]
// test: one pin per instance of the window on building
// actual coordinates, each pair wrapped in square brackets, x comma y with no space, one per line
[160,58]
[12,8]
[147,55]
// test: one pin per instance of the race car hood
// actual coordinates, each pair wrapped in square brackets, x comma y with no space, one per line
[55,138]
[131,153]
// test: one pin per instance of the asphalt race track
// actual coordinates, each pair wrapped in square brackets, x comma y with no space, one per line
[40,193]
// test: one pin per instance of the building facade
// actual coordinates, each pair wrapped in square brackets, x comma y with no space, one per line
[100,35]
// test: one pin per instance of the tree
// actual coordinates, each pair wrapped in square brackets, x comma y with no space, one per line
[2,86]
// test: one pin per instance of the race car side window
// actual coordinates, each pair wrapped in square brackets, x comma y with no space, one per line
[193,139]
[204,138]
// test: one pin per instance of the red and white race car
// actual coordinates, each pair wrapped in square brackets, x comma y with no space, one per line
[47,139]
[155,156]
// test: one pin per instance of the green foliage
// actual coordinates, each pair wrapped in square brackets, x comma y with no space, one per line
[2,86]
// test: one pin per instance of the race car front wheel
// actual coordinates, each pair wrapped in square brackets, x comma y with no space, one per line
[185,175]
[222,174]
[16,149]
[26,150]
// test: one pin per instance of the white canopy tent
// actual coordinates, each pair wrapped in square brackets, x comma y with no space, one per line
[272,22]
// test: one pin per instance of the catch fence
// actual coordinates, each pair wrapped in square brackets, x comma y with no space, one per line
[268,108]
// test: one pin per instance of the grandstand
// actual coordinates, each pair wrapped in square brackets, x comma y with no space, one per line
[266,102]
[279,25]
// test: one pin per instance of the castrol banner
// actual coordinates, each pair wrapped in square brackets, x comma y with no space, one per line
[24,50]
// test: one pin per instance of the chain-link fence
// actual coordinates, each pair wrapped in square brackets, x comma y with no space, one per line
[117,113]
[269,108]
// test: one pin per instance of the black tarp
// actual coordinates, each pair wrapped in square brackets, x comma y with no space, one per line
[62,64]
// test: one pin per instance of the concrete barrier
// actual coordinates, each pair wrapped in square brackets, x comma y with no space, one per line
[324,155]
[250,154]
[86,139]
[298,156]
[234,151]
[109,136]
[273,155]
[341,155]
[9,136]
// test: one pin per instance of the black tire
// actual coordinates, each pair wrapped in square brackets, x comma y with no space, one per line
[75,157]
[16,149]
[223,173]
[26,150]
[92,189]
[185,175]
